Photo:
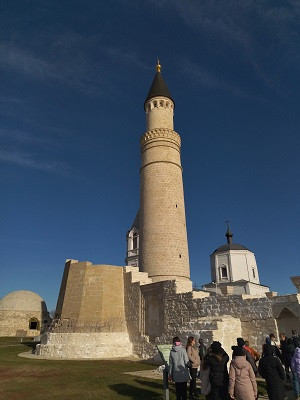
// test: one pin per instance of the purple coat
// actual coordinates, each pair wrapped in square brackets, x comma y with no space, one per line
[295,363]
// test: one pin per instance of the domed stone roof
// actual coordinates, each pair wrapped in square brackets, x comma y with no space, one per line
[230,246]
[22,300]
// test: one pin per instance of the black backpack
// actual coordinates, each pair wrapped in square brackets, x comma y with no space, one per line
[290,346]
[296,341]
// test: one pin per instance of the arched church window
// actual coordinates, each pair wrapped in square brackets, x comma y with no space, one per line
[223,271]
[155,103]
[253,272]
[34,324]
[161,103]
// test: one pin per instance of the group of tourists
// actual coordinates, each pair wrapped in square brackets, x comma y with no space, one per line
[210,364]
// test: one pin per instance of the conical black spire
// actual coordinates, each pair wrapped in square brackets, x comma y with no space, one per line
[158,87]
[229,235]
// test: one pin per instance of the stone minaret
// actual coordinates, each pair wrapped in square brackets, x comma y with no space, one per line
[163,247]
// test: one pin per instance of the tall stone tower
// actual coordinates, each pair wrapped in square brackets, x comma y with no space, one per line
[163,247]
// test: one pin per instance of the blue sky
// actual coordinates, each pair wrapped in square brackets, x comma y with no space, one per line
[73,80]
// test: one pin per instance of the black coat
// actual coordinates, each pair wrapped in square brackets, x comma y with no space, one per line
[286,356]
[271,370]
[218,373]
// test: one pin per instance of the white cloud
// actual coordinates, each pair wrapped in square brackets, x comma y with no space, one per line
[265,34]
[28,160]
[25,62]
[19,136]
[70,72]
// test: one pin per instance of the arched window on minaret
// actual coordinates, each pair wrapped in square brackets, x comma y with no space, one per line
[132,254]
[135,241]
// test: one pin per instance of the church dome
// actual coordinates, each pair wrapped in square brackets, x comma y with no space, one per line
[22,300]
[230,246]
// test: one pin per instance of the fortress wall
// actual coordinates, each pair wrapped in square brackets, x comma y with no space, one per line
[132,308]
[103,296]
[92,322]
[71,292]
[222,318]
[93,295]
[62,291]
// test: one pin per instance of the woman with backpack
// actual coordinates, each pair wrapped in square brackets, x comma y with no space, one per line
[218,375]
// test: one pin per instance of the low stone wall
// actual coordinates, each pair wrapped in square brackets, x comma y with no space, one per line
[85,345]
[222,318]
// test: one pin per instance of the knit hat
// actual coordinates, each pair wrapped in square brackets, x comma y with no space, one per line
[238,351]
[240,341]
[216,347]
[269,349]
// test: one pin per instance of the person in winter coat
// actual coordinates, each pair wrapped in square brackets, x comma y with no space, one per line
[218,375]
[194,364]
[178,368]
[242,382]
[295,366]
[271,369]
[255,354]
[296,338]
[204,376]
[285,356]
[202,349]
[241,343]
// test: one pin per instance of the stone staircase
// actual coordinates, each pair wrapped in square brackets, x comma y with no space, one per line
[137,276]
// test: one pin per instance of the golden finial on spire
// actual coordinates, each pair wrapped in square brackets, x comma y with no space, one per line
[158,66]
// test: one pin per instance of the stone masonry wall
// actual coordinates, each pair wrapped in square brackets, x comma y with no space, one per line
[16,323]
[163,248]
[85,345]
[93,295]
[222,318]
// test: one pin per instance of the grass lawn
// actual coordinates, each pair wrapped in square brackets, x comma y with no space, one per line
[30,379]
[22,378]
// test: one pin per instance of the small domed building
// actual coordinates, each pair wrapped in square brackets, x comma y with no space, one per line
[234,270]
[23,313]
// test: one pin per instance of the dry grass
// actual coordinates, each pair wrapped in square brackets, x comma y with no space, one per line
[24,379]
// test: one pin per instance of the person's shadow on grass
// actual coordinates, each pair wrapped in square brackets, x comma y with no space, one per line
[150,384]
[136,393]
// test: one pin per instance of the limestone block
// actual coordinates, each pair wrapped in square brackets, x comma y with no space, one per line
[227,290]
[85,345]
[271,294]
[183,286]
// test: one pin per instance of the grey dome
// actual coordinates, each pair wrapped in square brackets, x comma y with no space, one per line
[230,246]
